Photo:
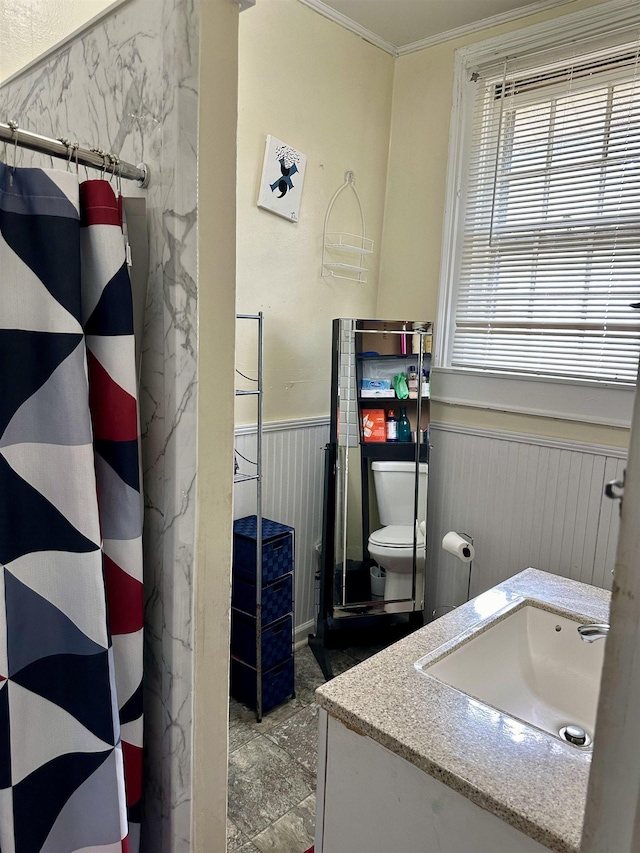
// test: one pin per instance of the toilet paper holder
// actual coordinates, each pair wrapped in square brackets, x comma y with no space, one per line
[467,554]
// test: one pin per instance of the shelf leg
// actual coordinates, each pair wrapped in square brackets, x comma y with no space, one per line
[321,654]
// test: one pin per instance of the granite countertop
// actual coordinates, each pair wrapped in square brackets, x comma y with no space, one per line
[526,777]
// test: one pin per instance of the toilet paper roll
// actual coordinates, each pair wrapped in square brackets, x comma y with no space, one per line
[457,545]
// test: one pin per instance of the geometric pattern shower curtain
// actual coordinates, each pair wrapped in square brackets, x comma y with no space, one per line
[62,758]
[107,317]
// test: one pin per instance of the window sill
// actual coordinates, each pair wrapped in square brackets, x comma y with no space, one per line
[602,403]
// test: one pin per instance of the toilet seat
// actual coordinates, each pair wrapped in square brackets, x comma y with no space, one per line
[396,536]
[392,548]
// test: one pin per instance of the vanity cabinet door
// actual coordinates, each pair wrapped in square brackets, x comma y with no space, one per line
[371,799]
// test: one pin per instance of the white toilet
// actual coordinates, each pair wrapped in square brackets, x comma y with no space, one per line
[391,546]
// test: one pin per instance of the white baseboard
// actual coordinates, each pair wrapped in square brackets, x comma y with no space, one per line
[302,633]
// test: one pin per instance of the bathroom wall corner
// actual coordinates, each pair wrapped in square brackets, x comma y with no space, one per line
[216,362]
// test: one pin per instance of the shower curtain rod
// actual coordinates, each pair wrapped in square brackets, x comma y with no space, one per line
[94,157]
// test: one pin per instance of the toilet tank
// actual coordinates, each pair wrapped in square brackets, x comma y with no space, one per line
[395,486]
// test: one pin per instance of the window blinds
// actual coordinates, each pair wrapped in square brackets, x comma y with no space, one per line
[550,249]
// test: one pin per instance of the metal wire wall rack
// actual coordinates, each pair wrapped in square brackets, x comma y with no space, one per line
[338,245]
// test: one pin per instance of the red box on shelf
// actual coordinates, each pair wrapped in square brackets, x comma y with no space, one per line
[373,425]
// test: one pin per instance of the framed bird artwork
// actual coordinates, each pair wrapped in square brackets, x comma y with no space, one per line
[282,179]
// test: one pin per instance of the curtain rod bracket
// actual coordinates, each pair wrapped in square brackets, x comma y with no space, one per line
[143,181]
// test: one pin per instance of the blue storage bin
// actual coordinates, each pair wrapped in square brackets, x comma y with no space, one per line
[276,639]
[277,683]
[277,548]
[276,598]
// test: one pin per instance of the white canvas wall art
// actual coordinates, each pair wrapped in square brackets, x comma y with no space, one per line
[282,179]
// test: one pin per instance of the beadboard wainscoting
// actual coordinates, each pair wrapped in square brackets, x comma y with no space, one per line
[292,493]
[526,501]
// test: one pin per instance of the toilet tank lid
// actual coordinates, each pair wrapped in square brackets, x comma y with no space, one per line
[397,465]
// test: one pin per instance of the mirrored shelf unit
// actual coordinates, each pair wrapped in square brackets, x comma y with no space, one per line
[381,372]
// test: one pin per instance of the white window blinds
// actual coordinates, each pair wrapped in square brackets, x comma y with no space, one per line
[549,256]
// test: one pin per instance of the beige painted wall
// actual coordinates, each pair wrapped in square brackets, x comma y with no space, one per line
[412,238]
[347,104]
[38,25]
[216,312]
[326,92]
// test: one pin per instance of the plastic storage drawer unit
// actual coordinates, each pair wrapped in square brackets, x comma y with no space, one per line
[275,599]
[277,683]
[277,549]
[262,671]
[276,639]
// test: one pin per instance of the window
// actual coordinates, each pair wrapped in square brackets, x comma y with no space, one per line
[545,250]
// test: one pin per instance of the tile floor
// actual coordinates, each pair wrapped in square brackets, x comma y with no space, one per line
[272,764]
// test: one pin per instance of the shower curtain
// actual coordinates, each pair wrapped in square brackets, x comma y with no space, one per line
[70,521]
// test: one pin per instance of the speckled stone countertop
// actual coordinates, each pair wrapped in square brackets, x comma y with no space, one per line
[524,776]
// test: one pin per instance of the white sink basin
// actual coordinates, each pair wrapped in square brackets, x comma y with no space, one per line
[530,664]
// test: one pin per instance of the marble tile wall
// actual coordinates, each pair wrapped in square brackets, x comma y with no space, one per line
[130,85]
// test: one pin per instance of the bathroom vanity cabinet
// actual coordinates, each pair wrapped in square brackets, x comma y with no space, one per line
[369,798]
[408,762]
[366,356]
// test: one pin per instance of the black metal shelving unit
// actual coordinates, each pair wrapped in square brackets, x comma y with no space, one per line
[262,591]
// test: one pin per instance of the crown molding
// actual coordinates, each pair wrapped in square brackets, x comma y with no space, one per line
[351,25]
[485,23]
[495,20]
